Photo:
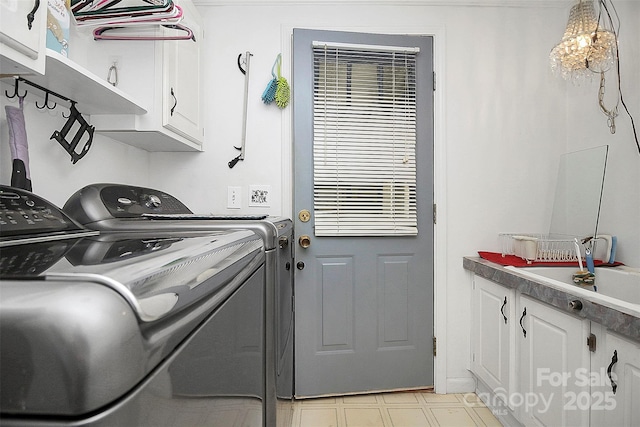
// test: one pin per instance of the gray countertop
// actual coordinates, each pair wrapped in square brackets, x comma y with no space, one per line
[614,319]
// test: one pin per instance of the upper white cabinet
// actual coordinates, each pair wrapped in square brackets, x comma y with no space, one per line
[165,76]
[181,86]
[22,39]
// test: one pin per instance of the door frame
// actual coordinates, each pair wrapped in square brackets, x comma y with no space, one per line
[441,384]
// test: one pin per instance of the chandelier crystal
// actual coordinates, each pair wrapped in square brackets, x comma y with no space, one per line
[587,48]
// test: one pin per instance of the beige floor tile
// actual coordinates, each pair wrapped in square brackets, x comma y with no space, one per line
[470,399]
[452,416]
[361,399]
[408,417]
[487,417]
[440,398]
[400,409]
[364,417]
[318,417]
[395,398]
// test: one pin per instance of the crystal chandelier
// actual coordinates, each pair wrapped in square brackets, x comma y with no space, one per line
[586,48]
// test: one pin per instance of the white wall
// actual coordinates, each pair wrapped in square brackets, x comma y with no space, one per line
[53,176]
[502,121]
[587,127]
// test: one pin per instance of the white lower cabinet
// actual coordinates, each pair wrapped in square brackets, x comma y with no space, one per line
[615,379]
[552,351]
[493,311]
[534,365]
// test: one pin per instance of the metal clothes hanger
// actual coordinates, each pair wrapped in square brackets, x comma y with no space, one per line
[98,34]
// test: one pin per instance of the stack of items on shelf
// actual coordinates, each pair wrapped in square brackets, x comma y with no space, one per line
[132,19]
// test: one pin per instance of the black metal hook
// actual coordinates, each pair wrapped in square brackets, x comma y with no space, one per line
[242,70]
[46,103]
[15,91]
[73,104]
[233,162]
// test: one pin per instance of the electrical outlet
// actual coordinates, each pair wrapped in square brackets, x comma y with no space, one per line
[234,200]
[260,195]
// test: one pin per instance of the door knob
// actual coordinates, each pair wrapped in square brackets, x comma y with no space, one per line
[304,241]
[300,265]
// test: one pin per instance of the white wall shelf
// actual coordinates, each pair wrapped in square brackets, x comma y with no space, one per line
[92,94]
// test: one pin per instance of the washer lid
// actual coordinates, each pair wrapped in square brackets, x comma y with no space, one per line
[156,275]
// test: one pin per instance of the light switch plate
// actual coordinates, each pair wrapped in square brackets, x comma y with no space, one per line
[234,197]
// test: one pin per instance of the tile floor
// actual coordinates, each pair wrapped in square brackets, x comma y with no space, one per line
[400,409]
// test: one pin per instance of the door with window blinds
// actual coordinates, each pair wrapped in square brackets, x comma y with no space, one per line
[364,140]
[363,160]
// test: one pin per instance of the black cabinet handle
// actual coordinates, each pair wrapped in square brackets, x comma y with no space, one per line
[175,103]
[524,331]
[614,360]
[32,15]
[502,310]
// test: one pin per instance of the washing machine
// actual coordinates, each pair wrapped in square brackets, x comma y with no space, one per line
[121,208]
[147,328]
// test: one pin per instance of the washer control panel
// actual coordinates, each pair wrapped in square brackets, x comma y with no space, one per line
[125,201]
[24,213]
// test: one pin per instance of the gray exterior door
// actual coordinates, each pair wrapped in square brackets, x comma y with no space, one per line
[363,305]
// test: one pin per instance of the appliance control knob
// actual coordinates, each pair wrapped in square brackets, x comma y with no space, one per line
[576,304]
[152,201]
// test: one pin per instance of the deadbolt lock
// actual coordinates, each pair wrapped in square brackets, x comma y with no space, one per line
[304,241]
[304,215]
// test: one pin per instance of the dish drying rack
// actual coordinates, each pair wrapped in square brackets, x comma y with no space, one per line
[538,247]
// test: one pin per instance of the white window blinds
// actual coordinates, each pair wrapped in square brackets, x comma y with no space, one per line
[364,140]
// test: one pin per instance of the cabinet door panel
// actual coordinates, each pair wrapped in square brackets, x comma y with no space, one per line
[181,92]
[621,359]
[22,45]
[491,335]
[552,354]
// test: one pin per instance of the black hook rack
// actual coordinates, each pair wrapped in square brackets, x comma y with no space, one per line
[46,91]
[75,121]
